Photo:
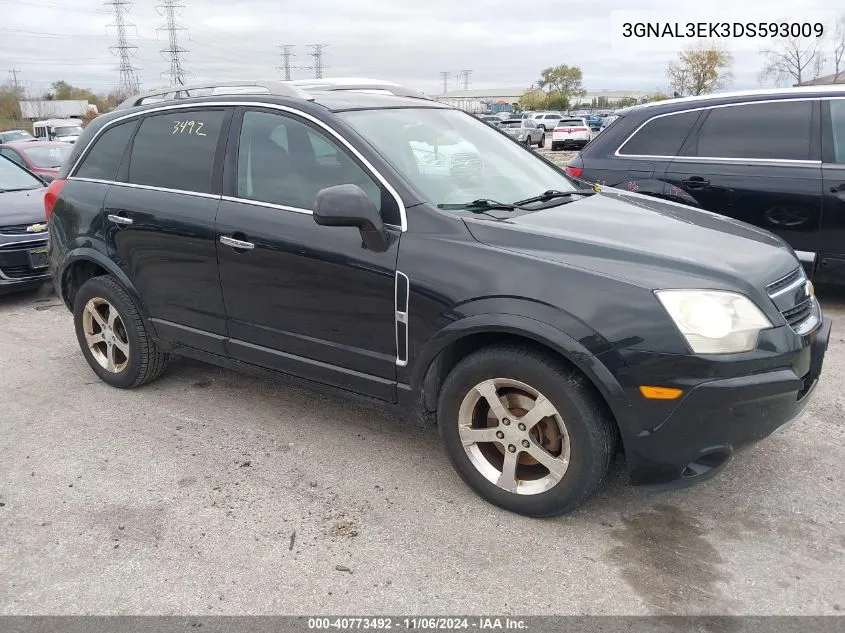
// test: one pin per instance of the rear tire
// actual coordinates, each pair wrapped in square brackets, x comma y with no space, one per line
[113,337]
[542,141]
[577,437]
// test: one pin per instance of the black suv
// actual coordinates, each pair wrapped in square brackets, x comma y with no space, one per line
[332,234]
[774,158]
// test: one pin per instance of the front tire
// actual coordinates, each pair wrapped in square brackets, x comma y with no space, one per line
[112,335]
[542,143]
[525,431]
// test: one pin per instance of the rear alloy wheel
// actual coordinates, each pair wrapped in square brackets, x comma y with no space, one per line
[112,335]
[525,431]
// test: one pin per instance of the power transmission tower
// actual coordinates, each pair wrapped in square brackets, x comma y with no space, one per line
[168,8]
[464,76]
[286,57]
[14,73]
[317,54]
[128,82]
[445,77]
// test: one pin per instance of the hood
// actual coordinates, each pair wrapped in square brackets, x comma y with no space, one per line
[22,207]
[645,240]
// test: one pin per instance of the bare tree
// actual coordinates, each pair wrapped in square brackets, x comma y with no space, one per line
[838,48]
[792,59]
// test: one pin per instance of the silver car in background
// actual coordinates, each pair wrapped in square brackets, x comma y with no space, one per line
[524,131]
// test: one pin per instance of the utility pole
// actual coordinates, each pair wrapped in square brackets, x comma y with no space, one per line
[286,57]
[465,75]
[14,73]
[317,54]
[173,52]
[445,77]
[128,81]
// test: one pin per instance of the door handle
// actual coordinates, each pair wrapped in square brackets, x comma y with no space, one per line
[236,244]
[696,182]
[119,219]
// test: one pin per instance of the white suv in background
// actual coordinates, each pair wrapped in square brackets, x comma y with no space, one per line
[574,133]
[547,120]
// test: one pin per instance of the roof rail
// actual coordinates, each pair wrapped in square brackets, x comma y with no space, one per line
[357,84]
[208,89]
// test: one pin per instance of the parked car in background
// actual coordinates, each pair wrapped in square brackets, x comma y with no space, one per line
[547,120]
[774,158]
[571,134]
[23,229]
[606,121]
[525,131]
[15,135]
[67,130]
[43,158]
[594,121]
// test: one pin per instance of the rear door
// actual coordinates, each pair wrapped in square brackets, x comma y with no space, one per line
[160,222]
[831,265]
[759,163]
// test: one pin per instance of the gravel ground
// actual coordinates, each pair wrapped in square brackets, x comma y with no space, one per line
[211,492]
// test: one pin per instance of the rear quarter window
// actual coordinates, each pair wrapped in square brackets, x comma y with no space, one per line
[103,159]
[661,136]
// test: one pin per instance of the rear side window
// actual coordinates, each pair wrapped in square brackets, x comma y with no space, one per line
[103,160]
[779,130]
[661,136]
[837,120]
[176,150]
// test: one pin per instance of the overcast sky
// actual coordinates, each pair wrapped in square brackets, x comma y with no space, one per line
[506,43]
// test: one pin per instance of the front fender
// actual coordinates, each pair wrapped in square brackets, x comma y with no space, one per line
[594,366]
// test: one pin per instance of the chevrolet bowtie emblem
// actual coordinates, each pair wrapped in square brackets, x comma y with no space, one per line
[36,228]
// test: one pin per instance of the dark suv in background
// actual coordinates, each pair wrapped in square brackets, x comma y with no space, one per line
[773,158]
[311,232]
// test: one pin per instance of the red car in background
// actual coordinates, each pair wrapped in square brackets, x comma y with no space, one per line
[42,158]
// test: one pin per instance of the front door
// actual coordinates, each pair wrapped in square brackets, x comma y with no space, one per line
[759,163]
[160,223]
[831,266]
[303,299]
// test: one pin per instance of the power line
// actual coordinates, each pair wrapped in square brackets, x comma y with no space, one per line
[465,75]
[287,53]
[173,52]
[445,77]
[128,82]
[317,54]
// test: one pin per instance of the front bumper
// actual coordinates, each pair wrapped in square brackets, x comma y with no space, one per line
[678,443]
[16,272]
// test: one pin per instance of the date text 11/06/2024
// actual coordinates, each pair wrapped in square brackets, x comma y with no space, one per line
[417,624]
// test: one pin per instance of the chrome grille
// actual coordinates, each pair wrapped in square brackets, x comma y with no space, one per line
[775,288]
[799,309]
[800,313]
[16,229]
[21,272]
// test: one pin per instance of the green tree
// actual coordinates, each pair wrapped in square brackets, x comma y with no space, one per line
[699,69]
[562,80]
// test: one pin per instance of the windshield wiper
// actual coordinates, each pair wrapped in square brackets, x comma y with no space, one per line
[551,194]
[482,204]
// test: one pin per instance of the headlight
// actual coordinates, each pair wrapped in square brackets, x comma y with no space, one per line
[714,321]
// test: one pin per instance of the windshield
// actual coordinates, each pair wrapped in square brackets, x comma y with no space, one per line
[17,135]
[453,158]
[72,130]
[14,178]
[46,156]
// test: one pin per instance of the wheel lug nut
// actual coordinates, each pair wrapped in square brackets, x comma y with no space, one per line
[499,434]
[512,448]
[506,421]
[526,443]
[521,426]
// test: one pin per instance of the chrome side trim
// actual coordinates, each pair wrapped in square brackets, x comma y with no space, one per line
[130,185]
[401,315]
[268,205]
[807,257]
[713,158]
[403,214]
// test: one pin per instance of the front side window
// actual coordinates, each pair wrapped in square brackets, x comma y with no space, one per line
[47,156]
[176,150]
[661,136]
[103,159]
[452,158]
[284,161]
[15,178]
[837,120]
[774,130]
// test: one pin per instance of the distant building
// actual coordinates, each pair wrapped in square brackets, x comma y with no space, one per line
[836,78]
[504,99]
[59,109]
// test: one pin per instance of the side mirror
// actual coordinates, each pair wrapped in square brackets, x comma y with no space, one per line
[348,205]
